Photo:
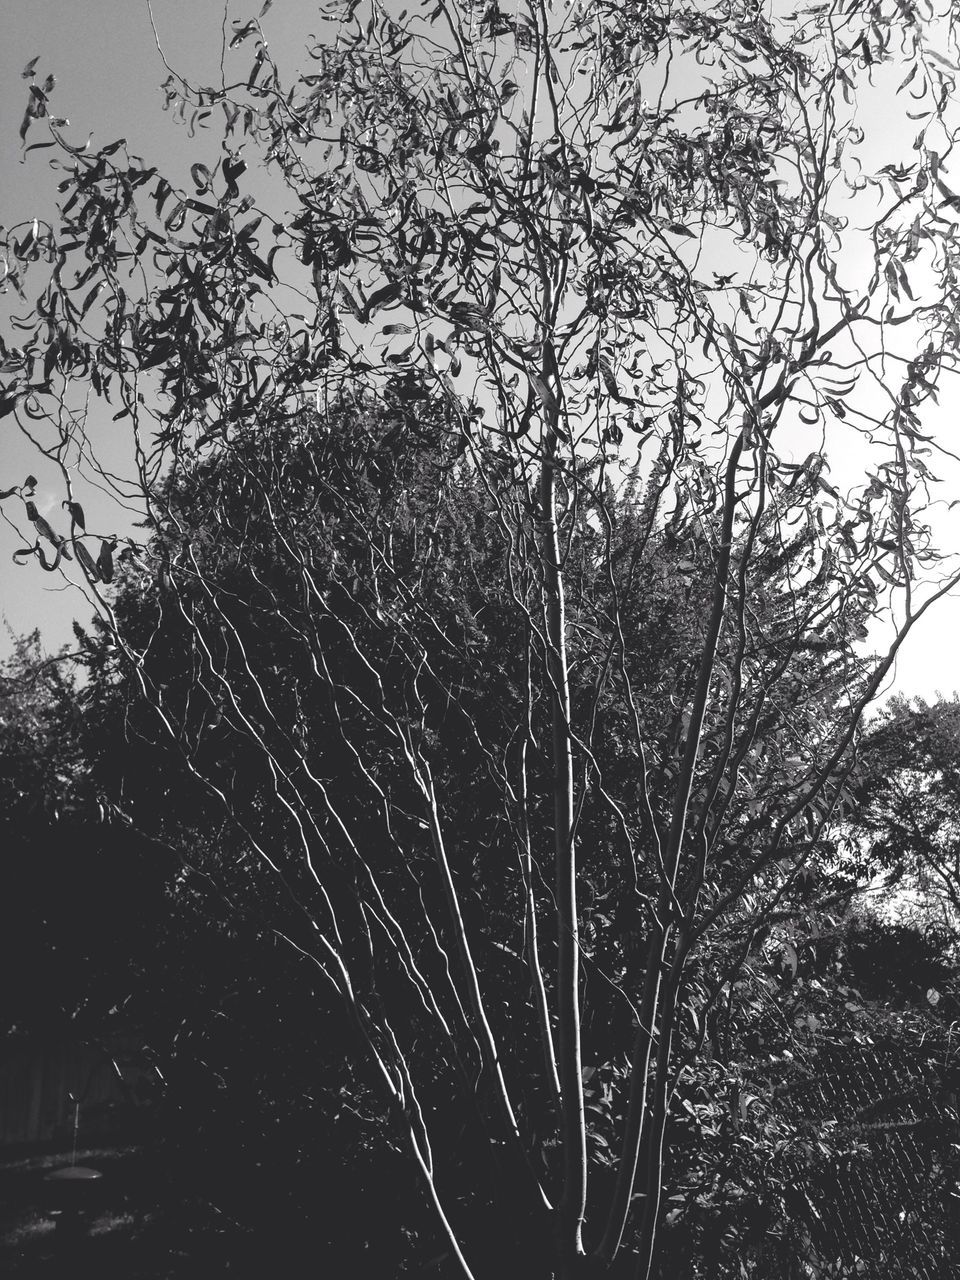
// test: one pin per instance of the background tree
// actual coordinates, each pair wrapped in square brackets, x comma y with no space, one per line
[906,819]
[409,650]
[81,901]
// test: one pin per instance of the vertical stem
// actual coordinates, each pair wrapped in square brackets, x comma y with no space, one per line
[572,1120]
[488,1044]
[533,953]
[638,1116]
[637,1105]
[657,1119]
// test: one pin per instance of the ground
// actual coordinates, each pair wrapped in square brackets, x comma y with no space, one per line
[141,1230]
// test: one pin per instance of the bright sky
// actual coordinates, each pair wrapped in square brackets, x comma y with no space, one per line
[108,69]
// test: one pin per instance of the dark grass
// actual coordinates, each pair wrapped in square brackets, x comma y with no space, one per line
[141,1228]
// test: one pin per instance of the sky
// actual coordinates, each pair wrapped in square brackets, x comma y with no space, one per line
[109,70]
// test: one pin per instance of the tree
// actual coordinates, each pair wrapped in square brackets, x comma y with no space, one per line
[907,812]
[80,899]
[818,1135]
[403,582]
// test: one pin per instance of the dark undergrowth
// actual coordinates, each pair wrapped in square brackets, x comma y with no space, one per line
[140,1227]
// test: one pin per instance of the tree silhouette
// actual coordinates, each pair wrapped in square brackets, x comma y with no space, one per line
[491,588]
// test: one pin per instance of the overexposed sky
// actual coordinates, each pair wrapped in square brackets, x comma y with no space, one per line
[104,56]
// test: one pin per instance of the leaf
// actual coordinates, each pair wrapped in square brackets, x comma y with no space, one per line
[255,71]
[76,513]
[23,246]
[105,560]
[86,561]
[679,230]
[401,357]
[30,483]
[241,34]
[232,169]
[610,381]
[381,298]
[164,189]
[28,71]
[904,282]
[201,176]
[41,525]
[175,220]
[469,316]
[50,566]
[938,57]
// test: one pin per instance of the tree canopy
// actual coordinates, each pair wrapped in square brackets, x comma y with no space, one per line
[495,612]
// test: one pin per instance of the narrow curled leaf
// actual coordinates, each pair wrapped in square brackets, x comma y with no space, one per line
[175,220]
[43,528]
[49,565]
[45,531]
[241,34]
[76,513]
[544,394]
[105,560]
[382,298]
[257,64]
[610,381]
[232,169]
[86,561]
[201,176]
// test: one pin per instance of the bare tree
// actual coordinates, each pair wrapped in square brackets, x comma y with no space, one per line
[596,275]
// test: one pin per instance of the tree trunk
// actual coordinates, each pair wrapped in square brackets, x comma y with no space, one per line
[572,1123]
